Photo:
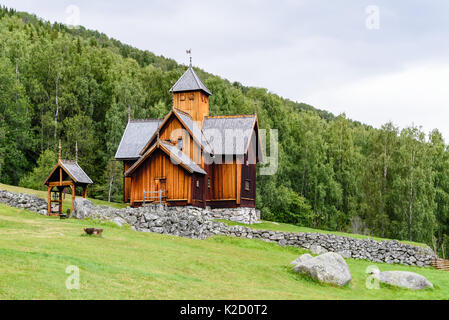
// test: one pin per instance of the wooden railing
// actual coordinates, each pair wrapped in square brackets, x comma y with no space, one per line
[159,196]
[441,264]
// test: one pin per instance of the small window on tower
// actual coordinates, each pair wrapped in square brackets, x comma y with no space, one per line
[183,97]
[197,183]
[180,143]
[191,96]
[247,185]
[208,183]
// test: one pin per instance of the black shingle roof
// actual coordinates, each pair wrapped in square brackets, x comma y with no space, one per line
[190,82]
[137,134]
[183,158]
[76,172]
[229,135]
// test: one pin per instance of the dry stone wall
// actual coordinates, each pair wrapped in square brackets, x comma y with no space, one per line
[24,201]
[200,223]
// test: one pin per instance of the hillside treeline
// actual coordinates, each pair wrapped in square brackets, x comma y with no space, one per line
[76,85]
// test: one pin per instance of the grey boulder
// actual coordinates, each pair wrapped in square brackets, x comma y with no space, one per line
[315,249]
[404,279]
[118,221]
[301,259]
[83,208]
[328,268]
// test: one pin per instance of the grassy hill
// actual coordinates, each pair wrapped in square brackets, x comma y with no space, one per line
[35,252]
[265,225]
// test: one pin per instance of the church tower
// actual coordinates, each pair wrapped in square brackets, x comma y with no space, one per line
[191,96]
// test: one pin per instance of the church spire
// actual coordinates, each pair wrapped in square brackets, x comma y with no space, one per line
[60,151]
[76,151]
[189,82]
[191,95]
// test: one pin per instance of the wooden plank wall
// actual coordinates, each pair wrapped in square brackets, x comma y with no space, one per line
[224,181]
[249,170]
[194,103]
[172,130]
[198,189]
[127,182]
[158,166]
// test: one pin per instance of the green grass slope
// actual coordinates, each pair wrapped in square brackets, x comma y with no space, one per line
[265,225]
[35,252]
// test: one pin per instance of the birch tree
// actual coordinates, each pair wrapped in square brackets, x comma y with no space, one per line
[377,182]
[413,187]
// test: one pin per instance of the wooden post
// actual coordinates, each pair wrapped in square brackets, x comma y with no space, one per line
[49,200]
[85,192]
[239,182]
[60,201]
[72,186]
[189,190]
[131,200]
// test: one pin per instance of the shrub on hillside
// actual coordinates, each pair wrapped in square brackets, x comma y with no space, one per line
[35,178]
[288,207]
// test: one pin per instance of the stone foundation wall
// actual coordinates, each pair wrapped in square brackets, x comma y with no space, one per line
[197,223]
[241,215]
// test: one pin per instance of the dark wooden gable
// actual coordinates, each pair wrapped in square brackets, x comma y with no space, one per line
[68,171]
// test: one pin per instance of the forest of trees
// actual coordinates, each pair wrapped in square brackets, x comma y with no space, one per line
[334,173]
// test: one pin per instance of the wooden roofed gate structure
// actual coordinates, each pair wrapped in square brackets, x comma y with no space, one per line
[191,157]
[66,174]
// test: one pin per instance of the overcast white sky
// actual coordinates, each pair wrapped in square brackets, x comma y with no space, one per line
[320,52]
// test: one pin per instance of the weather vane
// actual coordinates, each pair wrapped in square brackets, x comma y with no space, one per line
[189,52]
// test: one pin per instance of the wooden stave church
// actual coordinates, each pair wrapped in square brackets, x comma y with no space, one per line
[193,169]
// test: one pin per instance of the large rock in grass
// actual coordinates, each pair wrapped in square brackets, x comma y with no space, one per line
[404,279]
[301,259]
[315,249]
[118,221]
[328,268]
[83,209]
